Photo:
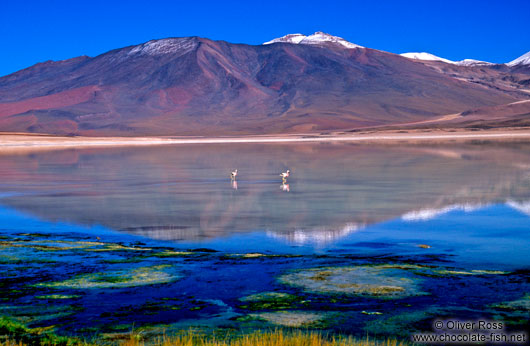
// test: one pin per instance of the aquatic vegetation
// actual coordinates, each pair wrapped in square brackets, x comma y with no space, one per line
[429,270]
[58,296]
[49,245]
[270,300]
[135,259]
[248,255]
[120,278]
[20,334]
[291,318]
[467,272]
[515,312]
[170,253]
[402,324]
[34,235]
[38,247]
[489,272]
[375,281]
[11,259]
[518,304]
[65,245]
[266,296]
[202,249]
[389,281]
[38,313]
[118,247]
[258,255]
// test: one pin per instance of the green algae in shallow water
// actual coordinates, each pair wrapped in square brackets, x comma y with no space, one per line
[270,300]
[375,281]
[49,245]
[9,259]
[172,253]
[515,312]
[117,247]
[434,271]
[19,332]
[59,296]
[402,324]
[119,279]
[38,313]
[257,255]
[518,304]
[292,318]
[471,272]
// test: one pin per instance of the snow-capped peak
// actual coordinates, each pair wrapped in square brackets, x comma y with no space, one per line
[165,46]
[431,57]
[522,60]
[317,38]
[473,62]
[425,56]
[291,38]
[320,37]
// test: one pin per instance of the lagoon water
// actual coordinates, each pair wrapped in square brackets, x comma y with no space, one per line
[207,242]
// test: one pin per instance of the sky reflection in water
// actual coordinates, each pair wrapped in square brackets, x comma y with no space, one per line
[469,202]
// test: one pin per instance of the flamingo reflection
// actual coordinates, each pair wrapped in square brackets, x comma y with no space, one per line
[285,187]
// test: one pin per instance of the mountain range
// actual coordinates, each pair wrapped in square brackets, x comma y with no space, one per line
[293,84]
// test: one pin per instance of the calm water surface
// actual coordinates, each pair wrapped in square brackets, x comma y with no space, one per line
[344,204]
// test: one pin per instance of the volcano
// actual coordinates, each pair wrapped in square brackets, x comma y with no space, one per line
[294,84]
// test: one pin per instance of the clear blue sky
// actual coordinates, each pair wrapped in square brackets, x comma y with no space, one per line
[35,31]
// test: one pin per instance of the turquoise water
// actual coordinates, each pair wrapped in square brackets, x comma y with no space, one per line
[457,210]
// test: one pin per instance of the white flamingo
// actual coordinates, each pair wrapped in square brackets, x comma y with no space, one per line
[233,175]
[285,175]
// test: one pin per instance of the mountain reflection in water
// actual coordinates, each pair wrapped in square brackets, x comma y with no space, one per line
[185,193]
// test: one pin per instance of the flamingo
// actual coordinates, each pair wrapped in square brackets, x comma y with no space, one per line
[285,175]
[233,175]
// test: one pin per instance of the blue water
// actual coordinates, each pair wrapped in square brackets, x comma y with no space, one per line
[344,205]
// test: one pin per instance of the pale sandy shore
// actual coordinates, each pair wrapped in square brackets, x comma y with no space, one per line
[13,141]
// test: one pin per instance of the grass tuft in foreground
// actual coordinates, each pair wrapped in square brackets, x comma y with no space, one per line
[13,333]
[263,338]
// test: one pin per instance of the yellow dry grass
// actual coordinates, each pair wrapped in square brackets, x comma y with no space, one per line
[263,338]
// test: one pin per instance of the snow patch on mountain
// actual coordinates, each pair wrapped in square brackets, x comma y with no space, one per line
[318,38]
[432,57]
[522,60]
[473,62]
[426,56]
[291,38]
[178,46]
